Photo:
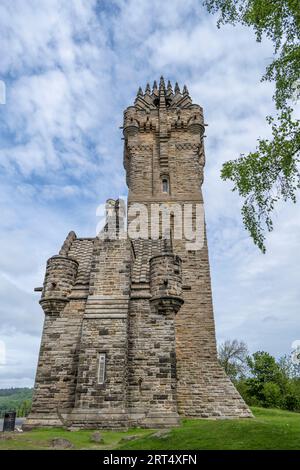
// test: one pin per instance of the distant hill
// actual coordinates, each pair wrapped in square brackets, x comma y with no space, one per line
[18,399]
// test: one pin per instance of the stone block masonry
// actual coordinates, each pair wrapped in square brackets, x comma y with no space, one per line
[129,334]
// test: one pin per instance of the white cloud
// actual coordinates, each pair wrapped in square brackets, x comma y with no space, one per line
[70,68]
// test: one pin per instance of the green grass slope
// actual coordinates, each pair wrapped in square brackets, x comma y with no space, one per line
[270,429]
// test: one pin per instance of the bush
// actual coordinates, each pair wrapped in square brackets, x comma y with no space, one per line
[272,397]
[291,402]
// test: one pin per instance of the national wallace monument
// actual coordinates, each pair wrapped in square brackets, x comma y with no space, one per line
[129,336]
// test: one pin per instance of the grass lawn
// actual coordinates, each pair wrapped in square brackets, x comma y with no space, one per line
[270,429]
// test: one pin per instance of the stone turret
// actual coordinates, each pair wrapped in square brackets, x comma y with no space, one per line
[166,283]
[61,272]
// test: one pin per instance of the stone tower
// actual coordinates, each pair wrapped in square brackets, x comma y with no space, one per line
[129,335]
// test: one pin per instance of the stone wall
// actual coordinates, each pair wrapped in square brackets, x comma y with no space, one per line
[104,331]
[151,366]
[56,376]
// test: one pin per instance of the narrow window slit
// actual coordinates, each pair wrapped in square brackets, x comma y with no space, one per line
[101,368]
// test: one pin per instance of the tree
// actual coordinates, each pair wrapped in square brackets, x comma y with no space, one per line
[264,370]
[272,397]
[263,367]
[24,408]
[291,371]
[233,358]
[270,173]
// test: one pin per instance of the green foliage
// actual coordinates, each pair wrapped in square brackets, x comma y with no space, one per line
[265,374]
[243,388]
[24,408]
[20,392]
[271,383]
[272,395]
[18,399]
[291,401]
[264,368]
[270,173]
[260,379]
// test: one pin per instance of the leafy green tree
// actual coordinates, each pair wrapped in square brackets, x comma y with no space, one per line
[271,172]
[291,372]
[272,397]
[264,369]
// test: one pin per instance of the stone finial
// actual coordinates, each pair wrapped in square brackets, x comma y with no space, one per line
[169,87]
[185,91]
[140,92]
[147,89]
[154,88]
[161,83]
[176,89]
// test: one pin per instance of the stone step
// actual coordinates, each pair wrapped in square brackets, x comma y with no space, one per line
[106,306]
[96,316]
[108,298]
[99,302]
[99,310]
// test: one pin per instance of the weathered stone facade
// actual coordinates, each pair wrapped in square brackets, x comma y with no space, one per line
[129,335]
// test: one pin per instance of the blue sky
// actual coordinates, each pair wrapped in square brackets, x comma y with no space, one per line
[70,68]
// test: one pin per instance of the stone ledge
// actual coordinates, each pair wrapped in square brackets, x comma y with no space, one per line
[95,316]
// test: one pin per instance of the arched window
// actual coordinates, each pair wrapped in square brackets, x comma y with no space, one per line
[165,184]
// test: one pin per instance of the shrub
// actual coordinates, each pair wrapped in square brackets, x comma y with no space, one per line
[291,402]
[272,397]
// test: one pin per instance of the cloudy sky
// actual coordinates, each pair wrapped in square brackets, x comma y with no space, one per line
[70,68]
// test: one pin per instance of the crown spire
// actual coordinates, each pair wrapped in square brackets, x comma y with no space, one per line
[176,89]
[161,83]
[162,93]
[185,90]
[169,87]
